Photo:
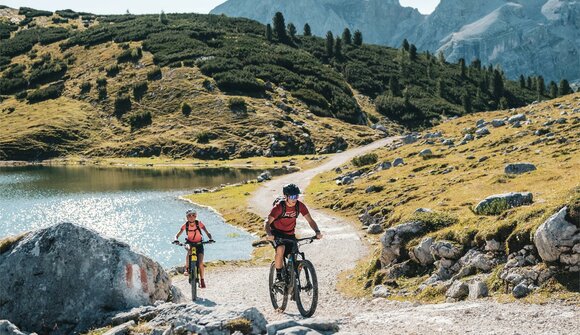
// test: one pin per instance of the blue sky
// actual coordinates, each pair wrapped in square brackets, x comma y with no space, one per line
[169,6]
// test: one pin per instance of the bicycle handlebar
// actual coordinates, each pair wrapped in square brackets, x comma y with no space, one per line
[176,242]
[284,240]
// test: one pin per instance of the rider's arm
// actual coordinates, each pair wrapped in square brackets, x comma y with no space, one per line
[179,233]
[267,227]
[207,233]
[313,225]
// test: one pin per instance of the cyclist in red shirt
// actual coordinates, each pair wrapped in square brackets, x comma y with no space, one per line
[194,228]
[281,223]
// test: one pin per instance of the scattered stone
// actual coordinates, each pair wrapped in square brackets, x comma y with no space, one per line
[445,249]
[478,289]
[561,120]
[380,127]
[467,138]
[458,290]
[554,235]
[346,181]
[121,329]
[374,189]
[8,328]
[497,123]
[476,260]
[520,291]
[426,153]
[393,239]
[482,132]
[338,170]
[384,166]
[480,123]
[482,159]
[517,118]
[381,291]
[374,229]
[398,161]
[423,210]
[519,168]
[264,176]
[493,245]
[448,142]
[517,124]
[496,204]
[410,138]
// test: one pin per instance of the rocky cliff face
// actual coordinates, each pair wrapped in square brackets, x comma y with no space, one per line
[532,37]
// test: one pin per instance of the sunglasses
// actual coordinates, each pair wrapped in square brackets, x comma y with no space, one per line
[293,197]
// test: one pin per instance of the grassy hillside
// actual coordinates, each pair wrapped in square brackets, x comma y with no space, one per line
[206,86]
[455,178]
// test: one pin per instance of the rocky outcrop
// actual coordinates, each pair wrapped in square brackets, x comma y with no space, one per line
[496,204]
[559,240]
[394,238]
[74,279]
[519,168]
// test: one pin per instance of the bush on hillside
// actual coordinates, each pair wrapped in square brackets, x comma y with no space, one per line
[86,87]
[139,90]
[130,55]
[237,104]
[47,70]
[154,74]
[101,82]
[31,12]
[67,13]
[139,119]
[112,70]
[122,104]
[239,81]
[52,91]
[185,108]
[366,159]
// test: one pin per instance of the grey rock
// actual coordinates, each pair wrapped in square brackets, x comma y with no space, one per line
[497,123]
[347,181]
[398,161]
[320,324]
[381,291]
[493,245]
[517,124]
[521,290]
[553,234]
[422,252]
[445,249]
[496,204]
[384,166]
[458,290]
[467,138]
[298,330]
[480,123]
[519,168]
[482,132]
[410,138]
[426,153]
[403,269]
[106,276]
[561,120]
[121,329]
[448,142]
[374,229]
[266,175]
[273,327]
[483,159]
[478,289]
[380,127]
[517,118]
[542,131]
[393,239]
[8,328]
[423,210]
[476,260]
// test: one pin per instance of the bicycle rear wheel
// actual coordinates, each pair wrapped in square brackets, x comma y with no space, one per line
[278,291]
[193,279]
[306,292]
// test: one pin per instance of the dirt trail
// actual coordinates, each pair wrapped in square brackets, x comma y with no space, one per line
[339,250]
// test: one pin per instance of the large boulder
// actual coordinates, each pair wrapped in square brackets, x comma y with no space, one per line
[496,204]
[394,238]
[458,290]
[445,249]
[556,236]
[422,252]
[66,278]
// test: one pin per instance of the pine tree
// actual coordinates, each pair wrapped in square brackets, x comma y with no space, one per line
[440,88]
[413,52]
[338,48]
[269,32]
[357,38]
[405,45]
[540,87]
[292,31]
[163,18]
[346,36]
[407,98]
[497,85]
[565,87]
[553,89]
[476,64]
[441,57]
[466,99]
[279,27]
[394,86]
[329,44]
[307,31]
[462,68]
[522,81]
[529,83]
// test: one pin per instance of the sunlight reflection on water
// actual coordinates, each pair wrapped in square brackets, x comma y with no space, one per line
[146,219]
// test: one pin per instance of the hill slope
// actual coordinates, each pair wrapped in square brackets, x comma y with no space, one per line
[214,87]
[437,195]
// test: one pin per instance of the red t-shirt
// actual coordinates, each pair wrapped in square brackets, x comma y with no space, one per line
[287,223]
[194,234]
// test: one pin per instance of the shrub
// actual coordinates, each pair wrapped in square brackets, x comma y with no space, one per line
[239,81]
[139,90]
[311,98]
[122,104]
[67,13]
[112,70]
[101,82]
[185,108]
[86,87]
[12,85]
[204,137]
[31,12]
[51,92]
[45,71]
[139,119]
[154,74]
[237,104]
[102,92]
[207,84]
[130,55]
[366,159]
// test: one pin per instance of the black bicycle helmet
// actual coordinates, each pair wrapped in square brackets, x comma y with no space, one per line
[291,189]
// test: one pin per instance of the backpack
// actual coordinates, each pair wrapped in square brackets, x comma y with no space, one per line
[196,227]
[280,200]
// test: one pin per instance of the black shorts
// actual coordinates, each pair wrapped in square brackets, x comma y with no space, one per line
[197,245]
[278,234]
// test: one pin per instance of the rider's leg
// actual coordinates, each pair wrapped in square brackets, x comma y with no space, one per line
[279,261]
[187,257]
[201,266]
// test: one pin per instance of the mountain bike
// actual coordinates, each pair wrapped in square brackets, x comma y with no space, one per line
[300,283]
[193,264]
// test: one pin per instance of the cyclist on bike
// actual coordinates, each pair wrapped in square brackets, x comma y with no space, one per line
[281,223]
[193,228]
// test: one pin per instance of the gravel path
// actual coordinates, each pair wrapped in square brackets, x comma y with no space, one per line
[339,250]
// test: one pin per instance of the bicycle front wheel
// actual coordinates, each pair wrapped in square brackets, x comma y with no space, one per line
[278,291]
[193,279]
[306,292]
